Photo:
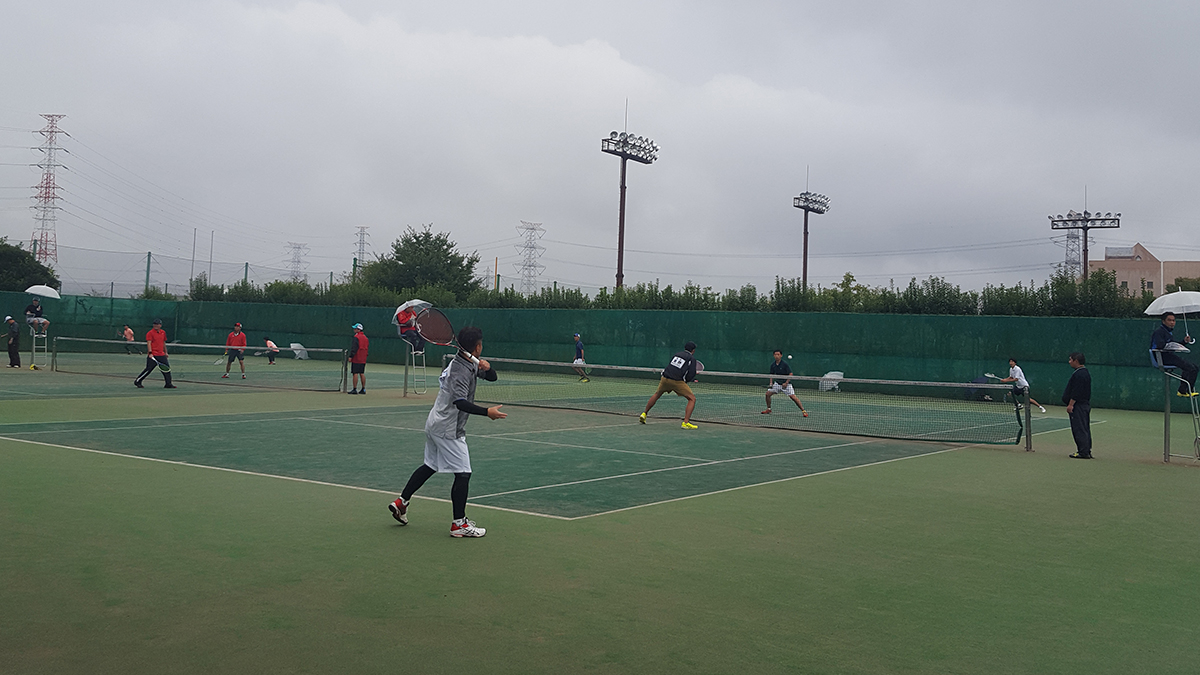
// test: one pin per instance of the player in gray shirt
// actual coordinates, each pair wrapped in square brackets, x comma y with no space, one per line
[446,432]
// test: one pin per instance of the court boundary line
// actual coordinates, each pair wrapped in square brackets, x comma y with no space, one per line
[135,419]
[522,440]
[475,504]
[809,475]
[703,463]
[257,474]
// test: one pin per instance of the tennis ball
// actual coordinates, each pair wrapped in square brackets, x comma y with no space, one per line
[789,356]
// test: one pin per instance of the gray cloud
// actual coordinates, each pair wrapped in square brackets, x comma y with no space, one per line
[930,125]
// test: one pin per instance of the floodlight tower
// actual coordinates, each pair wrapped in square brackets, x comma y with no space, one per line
[1084,221]
[814,203]
[641,150]
[45,210]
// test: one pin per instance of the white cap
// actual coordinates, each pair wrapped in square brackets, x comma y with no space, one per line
[8,318]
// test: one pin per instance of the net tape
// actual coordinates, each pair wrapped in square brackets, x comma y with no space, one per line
[904,409]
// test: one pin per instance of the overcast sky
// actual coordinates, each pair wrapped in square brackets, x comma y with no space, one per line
[944,133]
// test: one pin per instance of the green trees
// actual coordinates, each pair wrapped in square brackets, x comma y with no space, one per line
[420,258]
[20,270]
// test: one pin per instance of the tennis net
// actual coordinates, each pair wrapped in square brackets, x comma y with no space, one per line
[931,411]
[295,367]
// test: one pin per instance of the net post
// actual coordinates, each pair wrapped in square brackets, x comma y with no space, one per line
[54,356]
[1028,422]
[1166,416]
[408,356]
[345,367]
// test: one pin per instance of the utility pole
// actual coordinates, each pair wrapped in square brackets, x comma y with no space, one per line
[362,245]
[529,266]
[297,264]
[45,208]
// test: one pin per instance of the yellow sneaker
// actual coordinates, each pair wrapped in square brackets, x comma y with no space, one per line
[642,418]
[688,425]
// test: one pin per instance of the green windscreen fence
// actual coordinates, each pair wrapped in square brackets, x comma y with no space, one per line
[896,347]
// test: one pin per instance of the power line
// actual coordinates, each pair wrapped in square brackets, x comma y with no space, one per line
[1020,243]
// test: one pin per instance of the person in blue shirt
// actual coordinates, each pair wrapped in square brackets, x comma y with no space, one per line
[1166,334]
[1078,399]
[579,362]
[782,385]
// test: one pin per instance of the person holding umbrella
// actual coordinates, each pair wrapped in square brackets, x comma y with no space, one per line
[1161,339]
[406,323]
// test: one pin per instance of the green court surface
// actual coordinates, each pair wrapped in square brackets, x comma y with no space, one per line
[261,542]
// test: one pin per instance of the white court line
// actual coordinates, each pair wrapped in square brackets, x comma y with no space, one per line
[676,468]
[179,424]
[546,431]
[264,412]
[808,475]
[520,440]
[269,475]
[25,393]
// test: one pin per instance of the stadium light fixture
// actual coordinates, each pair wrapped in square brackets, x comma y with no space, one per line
[1085,221]
[642,150]
[814,203]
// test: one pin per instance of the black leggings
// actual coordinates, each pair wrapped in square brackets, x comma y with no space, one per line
[458,491]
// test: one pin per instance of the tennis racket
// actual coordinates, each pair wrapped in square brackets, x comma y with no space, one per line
[991,375]
[437,329]
[221,359]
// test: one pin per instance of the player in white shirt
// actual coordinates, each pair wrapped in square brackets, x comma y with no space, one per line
[1020,384]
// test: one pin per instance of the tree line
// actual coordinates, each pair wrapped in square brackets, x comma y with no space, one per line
[426,264]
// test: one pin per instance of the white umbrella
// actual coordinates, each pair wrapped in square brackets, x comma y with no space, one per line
[415,305]
[1180,302]
[47,292]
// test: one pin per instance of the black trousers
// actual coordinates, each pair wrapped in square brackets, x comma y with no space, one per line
[153,362]
[1081,427]
[1187,369]
[14,353]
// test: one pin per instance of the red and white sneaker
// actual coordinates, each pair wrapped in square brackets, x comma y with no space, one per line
[225,376]
[399,511]
[466,528]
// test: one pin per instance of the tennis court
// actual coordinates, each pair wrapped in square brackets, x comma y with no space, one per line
[557,463]
[612,546]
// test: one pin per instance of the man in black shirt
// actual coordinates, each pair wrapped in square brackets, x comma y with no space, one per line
[33,317]
[14,342]
[1164,335]
[1078,399]
[680,371]
[781,386]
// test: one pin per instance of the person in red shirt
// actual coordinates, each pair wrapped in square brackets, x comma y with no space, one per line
[156,355]
[407,320]
[358,360]
[236,339]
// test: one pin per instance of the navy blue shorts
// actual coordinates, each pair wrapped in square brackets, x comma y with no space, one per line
[358,368]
